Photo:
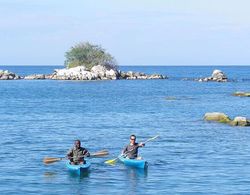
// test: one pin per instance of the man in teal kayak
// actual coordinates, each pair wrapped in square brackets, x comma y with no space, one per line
[77,153]
[131,150]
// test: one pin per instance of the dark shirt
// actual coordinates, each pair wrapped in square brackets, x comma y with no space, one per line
[78,154]
[131,151]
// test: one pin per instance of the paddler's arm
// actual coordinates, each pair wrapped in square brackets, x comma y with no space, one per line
[86,153]
[70,154]
[141,144]
[125,150]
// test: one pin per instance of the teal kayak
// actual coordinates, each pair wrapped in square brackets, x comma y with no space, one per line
[78,169]
[134,162]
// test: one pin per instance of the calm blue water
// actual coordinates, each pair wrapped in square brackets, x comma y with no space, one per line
[42,118]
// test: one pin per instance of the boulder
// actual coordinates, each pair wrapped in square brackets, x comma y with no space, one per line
[99,70]
[4,77]
[241,94]
[219,75]
[104,73]
[240,121]
[217,116]
[112,74]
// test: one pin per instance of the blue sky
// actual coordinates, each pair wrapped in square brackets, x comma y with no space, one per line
[135,32]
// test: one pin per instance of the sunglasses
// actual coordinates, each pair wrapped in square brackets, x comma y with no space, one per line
[132,139]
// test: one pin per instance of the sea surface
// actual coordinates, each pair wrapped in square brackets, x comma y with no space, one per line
[42,118]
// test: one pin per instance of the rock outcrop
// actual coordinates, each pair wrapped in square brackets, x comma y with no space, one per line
[35,76]
[223,118]
[99,73]
[6,75]
[217,76]
[81,73]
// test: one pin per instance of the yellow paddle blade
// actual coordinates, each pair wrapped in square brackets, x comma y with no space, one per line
[49,160]
[112,161]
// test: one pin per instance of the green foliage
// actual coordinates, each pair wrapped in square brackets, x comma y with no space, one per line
[88,55]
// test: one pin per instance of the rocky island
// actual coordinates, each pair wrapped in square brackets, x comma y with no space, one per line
[81,73]
[86,61]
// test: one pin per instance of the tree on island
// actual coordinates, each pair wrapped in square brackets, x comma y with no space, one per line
[89,55]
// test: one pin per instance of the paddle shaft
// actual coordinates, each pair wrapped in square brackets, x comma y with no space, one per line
[96,154]
[150,139]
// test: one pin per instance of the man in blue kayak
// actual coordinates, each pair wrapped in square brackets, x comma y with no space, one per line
[131,150]
[77,153]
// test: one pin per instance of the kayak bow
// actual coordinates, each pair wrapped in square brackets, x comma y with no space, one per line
[78,169]
[138,163]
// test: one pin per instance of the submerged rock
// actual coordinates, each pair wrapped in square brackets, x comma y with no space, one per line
[171,98]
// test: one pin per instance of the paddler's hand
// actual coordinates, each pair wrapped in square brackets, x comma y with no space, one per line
[87,154]
[123,154]
[141,144]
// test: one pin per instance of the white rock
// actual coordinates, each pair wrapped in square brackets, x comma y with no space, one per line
[240,118]
[218,74]
[99,70]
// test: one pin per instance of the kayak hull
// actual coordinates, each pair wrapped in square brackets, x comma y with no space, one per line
[78,169]
[142,164]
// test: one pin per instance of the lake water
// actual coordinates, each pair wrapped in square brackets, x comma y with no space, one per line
[41,118]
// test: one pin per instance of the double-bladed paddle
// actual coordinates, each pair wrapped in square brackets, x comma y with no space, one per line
[113,161]
[49,160]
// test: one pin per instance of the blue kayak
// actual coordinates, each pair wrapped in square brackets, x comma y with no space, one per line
[78,169]
[134,162]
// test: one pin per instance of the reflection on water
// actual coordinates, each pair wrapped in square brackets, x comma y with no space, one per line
[82,176]
[133,177]
[49,174]
[136,173]
[80,182]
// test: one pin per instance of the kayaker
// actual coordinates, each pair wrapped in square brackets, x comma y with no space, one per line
[131,150]
[77,153]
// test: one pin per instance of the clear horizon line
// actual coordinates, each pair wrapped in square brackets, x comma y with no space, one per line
[135,65]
